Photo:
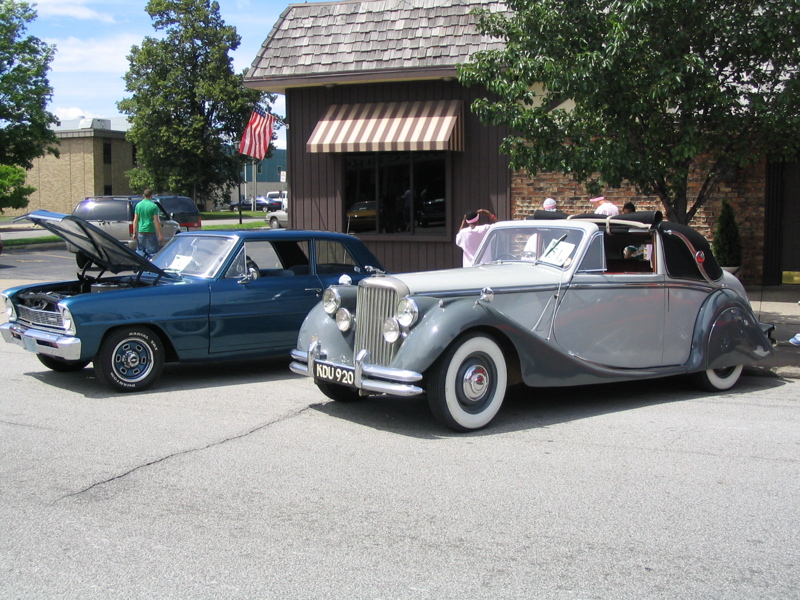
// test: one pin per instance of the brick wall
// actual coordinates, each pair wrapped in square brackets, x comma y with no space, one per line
[745,192]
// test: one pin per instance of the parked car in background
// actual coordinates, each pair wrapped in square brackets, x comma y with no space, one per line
[278,219]
[257,203]
[206,296]
[181,209]
[282,197]
[362,216]
[548,303]
[114,215]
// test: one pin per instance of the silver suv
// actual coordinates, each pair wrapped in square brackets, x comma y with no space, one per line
[114,215]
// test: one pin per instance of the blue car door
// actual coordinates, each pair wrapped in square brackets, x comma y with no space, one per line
[259,303]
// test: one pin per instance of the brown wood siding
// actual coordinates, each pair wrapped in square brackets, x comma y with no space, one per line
[480,177]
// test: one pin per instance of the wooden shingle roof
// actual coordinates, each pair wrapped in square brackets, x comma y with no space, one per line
[346,42]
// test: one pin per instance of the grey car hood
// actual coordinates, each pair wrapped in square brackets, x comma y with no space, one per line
[101,248]
[500,275]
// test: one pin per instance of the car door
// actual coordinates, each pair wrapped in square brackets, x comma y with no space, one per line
[614,315]
[261,300]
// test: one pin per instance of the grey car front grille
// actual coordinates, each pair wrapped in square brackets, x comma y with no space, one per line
[375,305]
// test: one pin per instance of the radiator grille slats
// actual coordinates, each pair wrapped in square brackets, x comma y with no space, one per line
[374,306]
[45,318]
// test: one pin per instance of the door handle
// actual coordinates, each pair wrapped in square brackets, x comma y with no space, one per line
[315,290]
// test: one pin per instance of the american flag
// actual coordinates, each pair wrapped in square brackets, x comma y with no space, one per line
[257,135]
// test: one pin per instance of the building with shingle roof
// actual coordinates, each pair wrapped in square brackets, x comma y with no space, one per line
[380,140]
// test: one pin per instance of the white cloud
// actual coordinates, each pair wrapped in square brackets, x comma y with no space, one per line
[65,114]
[75,9]
[94,55]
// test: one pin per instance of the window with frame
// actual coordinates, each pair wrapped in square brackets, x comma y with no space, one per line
[396,193]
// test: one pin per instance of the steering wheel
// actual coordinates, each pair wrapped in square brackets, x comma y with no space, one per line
[507,256]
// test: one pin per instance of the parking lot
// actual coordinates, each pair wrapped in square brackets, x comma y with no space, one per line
[242,481]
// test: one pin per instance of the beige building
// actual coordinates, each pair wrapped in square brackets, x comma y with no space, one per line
[94,157]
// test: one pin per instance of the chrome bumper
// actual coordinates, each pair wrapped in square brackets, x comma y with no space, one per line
[367,377]
[42,342]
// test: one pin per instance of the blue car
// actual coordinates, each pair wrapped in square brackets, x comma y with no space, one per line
[206,296]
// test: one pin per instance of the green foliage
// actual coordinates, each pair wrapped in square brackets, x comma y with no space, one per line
[661,90]
[13,191]
[25,132]
[188,108]
[727,244]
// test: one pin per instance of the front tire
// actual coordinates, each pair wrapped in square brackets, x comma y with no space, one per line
[274,223]
[467,385]
[130,359]
[718,380]
[340,393]
[61,365]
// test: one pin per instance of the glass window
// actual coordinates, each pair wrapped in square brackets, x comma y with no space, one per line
[396,192]
[333,257]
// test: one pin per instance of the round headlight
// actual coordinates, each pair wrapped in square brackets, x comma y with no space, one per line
[391,330]
[407,312]
[331,301]
[344,320]
[11,312]
[66,320]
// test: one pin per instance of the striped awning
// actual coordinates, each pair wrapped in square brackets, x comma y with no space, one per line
[390,127]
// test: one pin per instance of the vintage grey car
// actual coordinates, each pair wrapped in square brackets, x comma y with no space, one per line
[549,302]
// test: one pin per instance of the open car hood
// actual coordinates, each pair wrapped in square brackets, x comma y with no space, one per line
[100,247]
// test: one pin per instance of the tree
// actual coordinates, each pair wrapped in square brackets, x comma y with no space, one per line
[188,108]
[25,132]
[13,191]
[662,90]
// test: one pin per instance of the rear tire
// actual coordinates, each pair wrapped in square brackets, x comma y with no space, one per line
[61,365]
[339,393]
[718,380]
[274,223]
[467,385]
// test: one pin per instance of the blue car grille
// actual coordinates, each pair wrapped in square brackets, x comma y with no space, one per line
[374,306]
[45,318]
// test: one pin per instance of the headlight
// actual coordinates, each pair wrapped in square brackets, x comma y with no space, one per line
[67,320]
[331,301]
[407,312]
[391,330]
[11,312]
[344,320]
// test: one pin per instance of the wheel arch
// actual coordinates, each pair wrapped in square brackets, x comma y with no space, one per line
[170,354]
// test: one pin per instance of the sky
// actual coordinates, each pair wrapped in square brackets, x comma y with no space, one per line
[93,39]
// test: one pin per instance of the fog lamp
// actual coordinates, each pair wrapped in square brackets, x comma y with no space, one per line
[344,320]
[391,330]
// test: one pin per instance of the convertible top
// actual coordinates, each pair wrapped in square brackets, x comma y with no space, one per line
[686,250]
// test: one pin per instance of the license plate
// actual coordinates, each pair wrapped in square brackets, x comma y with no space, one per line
[29,343]
[334,374]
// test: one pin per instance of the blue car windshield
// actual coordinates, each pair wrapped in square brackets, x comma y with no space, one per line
[196,255]
[554,246]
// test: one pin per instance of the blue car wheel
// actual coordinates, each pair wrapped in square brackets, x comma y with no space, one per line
[130,359]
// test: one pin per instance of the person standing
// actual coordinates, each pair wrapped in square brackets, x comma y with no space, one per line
[604,207]
[471,233]
[147,225]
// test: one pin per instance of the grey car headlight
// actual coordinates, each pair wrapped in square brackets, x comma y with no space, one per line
[344,320]
[331,301]
[407,312]
[66,320]
[11,312]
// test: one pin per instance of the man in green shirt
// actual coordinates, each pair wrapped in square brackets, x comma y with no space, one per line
[147,225]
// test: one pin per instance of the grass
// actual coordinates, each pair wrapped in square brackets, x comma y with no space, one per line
[254,220]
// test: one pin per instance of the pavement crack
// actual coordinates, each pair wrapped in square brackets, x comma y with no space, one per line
[184,452]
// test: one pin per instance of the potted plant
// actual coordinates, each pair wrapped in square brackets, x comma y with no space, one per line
[727,244]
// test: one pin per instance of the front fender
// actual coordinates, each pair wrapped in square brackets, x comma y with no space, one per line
[338,346]
[727,333]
